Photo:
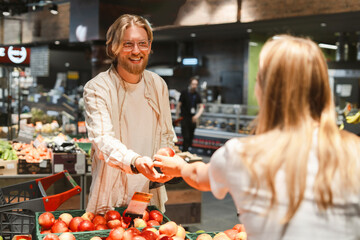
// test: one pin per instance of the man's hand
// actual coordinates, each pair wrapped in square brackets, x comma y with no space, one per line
[145,166]
[170,166]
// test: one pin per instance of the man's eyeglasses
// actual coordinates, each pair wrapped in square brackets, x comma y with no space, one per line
[128,46]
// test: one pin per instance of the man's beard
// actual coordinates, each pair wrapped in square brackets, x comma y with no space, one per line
[125,63]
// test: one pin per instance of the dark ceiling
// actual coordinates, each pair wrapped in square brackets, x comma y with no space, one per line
[310,26]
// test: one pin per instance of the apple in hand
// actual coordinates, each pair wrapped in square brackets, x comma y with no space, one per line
[166,151]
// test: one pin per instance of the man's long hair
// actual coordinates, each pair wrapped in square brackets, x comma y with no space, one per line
[296,102]
[115,33]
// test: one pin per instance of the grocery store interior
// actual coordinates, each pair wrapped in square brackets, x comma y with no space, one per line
[49,49]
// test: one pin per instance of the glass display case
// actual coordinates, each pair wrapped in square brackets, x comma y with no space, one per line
[233,118]
[219,123]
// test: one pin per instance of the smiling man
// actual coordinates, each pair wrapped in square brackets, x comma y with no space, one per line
[128,119]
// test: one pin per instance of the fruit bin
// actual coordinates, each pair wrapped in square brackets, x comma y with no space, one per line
[88,234]
[20,202]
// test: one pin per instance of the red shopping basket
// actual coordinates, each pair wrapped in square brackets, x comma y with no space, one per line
[19,202]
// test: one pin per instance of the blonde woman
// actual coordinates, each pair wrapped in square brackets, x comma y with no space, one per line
[298,177]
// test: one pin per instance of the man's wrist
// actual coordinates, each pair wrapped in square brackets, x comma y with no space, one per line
[133,166]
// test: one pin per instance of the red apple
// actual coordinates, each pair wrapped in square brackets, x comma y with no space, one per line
[67,236]
[180,232]
[165,237]
[204,236]
[156,215]
[66,217]
[241,236]
[117,233]
[101,227]
[98,219]
[86,225]
[96,238]
[239,227]
[74,223]
[221,236]
[231,233]
[125,218]
[139,237]
[114,223]
[130,233]
[112,215]
[46,220]
[51,237]
[59,227]
[166,151]
[177,238]
[152,229]
[169,228]
[146,215]
[88,216]
[151,223]
[139,223]
[149,235]
[45,231]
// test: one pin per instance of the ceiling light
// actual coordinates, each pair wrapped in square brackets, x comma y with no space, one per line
[323,24]
[249,30]
[6,12]
[327,46]
[57,42]
[192,35]
[54,9]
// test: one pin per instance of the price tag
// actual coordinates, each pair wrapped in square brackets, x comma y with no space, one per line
[10,166]
[43,164]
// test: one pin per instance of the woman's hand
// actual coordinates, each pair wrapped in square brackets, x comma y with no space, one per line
[170,166]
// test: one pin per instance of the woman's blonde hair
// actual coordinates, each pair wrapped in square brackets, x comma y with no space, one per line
[115,33]
[295,101]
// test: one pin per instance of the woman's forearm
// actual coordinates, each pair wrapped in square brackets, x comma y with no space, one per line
[196,175]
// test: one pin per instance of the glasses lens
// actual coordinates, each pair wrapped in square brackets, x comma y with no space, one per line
[130,45]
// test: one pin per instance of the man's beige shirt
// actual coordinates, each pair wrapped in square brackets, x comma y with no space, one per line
[107,98]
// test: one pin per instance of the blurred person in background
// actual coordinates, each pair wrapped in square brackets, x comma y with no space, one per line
[190,108]
[128,119]
[298,176]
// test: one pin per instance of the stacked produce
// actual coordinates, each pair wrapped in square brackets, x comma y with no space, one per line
[6,151]
[118,226]
[236,233]
[30,153]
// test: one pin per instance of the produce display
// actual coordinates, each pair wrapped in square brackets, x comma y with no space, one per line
[31,153]
[6,151]
[116,225]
